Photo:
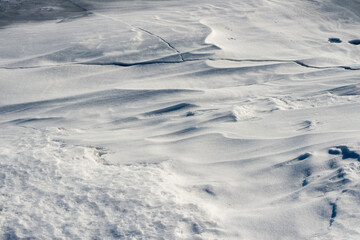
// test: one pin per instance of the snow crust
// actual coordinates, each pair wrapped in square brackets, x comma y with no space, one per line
[179,119]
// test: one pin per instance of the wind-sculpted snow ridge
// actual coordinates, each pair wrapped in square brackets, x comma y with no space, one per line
[179,120]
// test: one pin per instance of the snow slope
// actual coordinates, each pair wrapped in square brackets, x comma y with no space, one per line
[179,119]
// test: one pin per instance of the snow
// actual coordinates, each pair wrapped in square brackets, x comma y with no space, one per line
[179,119]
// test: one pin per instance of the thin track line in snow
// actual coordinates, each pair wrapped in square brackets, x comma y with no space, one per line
[164,41]
[168,44]
[124,64]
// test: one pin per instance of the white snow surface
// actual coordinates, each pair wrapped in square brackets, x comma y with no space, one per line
[183,119]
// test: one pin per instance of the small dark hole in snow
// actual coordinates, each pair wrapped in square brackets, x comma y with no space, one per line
[207,190]
[190,114]
[304,156]
[305,182]
[341,173]
[334,151]
[307,172]
[333,212]
[355,42]
[335,40]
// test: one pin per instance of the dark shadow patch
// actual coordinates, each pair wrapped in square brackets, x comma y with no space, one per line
[333,213]
[209,191]
[300,158]
[355,42]
[305,182]
[300,63]
[306,125]
[34,120]
[304,156]
[341,173]
[174,108]
[334,40]
[334,151]
[307,172]
[190,114]
[345,152]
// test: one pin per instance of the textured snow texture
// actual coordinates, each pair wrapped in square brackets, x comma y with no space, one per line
[179,119]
